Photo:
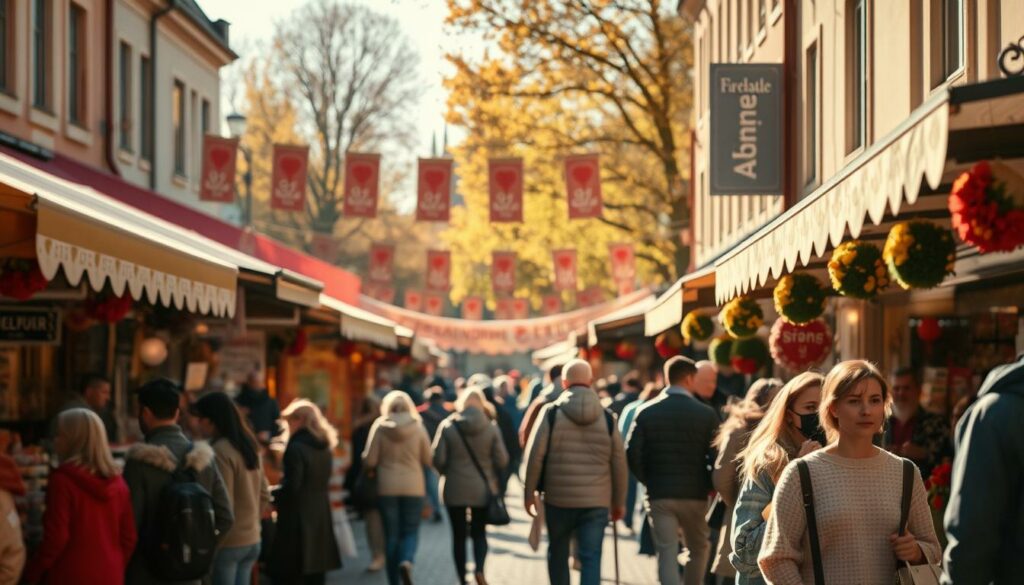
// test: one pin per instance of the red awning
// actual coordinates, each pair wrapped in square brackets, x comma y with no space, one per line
[338,283]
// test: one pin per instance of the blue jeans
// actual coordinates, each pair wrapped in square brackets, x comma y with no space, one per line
[588,524]
[431,480]
[401,516]
[233,566]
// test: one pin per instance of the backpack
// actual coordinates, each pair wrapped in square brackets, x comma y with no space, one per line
[609,421]
[183,536]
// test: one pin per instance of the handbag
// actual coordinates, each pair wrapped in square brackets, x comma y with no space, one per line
[497,514]
[364,491]
[812,524]
[343,535]
[907,574]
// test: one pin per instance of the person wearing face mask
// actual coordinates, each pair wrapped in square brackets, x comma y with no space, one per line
[857,488]
[788,429]
[913,432]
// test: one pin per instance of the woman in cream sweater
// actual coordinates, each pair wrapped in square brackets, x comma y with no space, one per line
[857,489]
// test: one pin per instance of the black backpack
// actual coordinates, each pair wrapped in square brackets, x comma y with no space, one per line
[609,421]
[183,536]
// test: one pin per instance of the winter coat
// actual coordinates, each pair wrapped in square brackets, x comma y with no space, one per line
[725,478]
[669,447]
[88,530]
[12,544]
[248,491]
[547,396]
[508,428]
[586,467]
[304,541]
[398,449]
[985,517]
[462,484]
[148,468]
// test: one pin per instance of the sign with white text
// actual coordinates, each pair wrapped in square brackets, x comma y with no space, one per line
[746,129]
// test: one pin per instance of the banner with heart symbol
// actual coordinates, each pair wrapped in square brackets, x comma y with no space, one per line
[551,305]
[217,181]
[413,300]
[473,308]
[503,272]
[623,262]
[590,296]
[583,186]
[565,269]
[362,184]
[520,308]
[381,291]
[504,308]
[433,304]
[439,267]
[288,187]
[382,260]
[434,189]
[505,185]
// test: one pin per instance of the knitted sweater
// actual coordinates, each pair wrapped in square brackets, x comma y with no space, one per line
[857,502]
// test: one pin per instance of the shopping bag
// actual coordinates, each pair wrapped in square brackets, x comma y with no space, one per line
[343,534]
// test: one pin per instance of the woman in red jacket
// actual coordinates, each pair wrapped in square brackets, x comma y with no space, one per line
[88,527]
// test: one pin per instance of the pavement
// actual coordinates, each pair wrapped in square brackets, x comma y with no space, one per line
[510,561]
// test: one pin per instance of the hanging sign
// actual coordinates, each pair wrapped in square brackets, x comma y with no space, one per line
[746,129]
[551,305]
[799,347]
[473,308]
[503,272]
[623,262]
[590,296]
[625,287]
[288,190]
[362,184]
[565,269]
[381,291]
[29,326]
[382,258]
[433,304]
[583,186]
[439,266]
[433,189]
[520,308]
[504,308]
[506,189]
[413,300]
[217,180]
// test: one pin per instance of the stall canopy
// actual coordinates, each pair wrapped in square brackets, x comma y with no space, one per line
[625,322]
[907,173]
[558,352]
[667,311]
[361,325]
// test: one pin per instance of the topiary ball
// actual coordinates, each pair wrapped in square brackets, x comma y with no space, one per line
[799,298]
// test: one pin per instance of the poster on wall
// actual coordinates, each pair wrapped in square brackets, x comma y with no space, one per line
[241,355]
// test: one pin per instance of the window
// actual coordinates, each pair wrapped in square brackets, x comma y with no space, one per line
[76,64]
[145,108]
[741,29]
[762,14]
[178,125]
[729,47]
[858,64]
[41,54]
[811,115]
[204,118]
[7,36]
[952,37]
[125,95]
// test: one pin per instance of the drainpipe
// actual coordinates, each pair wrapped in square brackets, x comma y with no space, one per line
[152,89]
[109,81]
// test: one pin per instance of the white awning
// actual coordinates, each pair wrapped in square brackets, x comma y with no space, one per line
[668,310]
[624,317]
[361,325]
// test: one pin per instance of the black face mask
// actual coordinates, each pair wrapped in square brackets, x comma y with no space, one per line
[810,427]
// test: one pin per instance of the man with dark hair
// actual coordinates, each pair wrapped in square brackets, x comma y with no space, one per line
[630,392]
[913,432]
[549,394]
[261,409]
[149,467]
[669,450]
[94,394]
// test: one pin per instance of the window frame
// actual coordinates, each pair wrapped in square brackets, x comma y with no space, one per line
[125,79]
[41,29]
[179,131]
[811,151]
[940,70]
[77,92]
[8,46]
[857,75]
[146,116]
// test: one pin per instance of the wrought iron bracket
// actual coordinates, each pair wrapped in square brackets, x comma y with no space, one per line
[1011,59]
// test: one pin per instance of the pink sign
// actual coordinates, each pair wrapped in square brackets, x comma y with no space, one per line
[503,272]
[288,182]
[439,266]
[583,186]
[362,184]
[434,189]
[565,269]
[506,189]
[472,308]
[382,258]
[413,300]
[217,181]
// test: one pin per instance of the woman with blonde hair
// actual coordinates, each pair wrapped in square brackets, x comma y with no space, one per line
[787,430]
[304,548]
[396,453]
[470,453]
[859,530]
[88,527]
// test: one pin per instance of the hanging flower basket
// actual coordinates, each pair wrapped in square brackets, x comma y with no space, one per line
[625,350]
[298,344]
[668,344]
[697,326]
[857,270]
[799,298]
[799,347]
[109,308]
[748,355]
[719,350]
[20,279]
[987,205]
[741,317]
[919,253]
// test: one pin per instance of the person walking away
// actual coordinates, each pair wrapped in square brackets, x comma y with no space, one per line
[549,394]
[506,389]
[167,459]
[261,410]
[88,527]
[12,543]
[731,439]
[913,432]
[433,412]
[238,461]
[650,392]
[466,440]
[369,412]
[729,381]
[304,547]
[397,451]
[985,517]
[631,389]
[508,430]
[856,490]
[94,393]
[575,457]
[669,451]
[788,429]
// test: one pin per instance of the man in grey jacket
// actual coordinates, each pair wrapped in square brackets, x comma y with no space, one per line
[985,517]
[149,466]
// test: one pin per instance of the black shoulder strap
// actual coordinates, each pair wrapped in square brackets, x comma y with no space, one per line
[908,492]
[609,421]
[472,457]
[812,522]
[552,415]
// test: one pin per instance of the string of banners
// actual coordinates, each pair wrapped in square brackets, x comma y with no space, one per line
[434,180]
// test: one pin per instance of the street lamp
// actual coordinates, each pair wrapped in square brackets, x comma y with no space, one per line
[236,127]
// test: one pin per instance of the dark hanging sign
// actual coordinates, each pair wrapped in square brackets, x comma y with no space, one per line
[746,129]
[29,325]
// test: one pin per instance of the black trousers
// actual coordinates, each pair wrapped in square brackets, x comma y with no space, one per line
[477,530]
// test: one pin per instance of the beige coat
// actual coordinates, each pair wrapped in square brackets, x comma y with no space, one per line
[12,545]
[587,465]
[462,484]
[248,491]
[398,449]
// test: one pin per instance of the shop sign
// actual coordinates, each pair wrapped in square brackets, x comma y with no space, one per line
[29,325]
[746,129]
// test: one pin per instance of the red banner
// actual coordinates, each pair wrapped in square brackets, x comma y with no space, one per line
[439,268]
[433,304]
[288,191]
[324,247]
[520,309]
[504,308]
[506,189]
[551,305]
[413,300]
[565,269]
[590,296]
[503,272]
[625,287]
[623,262]
[473,308]
[217,181]
[362,184]
[434,189]
[381,291]
[382,260]
[583,186]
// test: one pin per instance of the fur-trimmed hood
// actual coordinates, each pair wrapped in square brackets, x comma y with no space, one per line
[159,456]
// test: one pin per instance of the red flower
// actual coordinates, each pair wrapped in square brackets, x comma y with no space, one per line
[937,502]
[20,279]
[983,214]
